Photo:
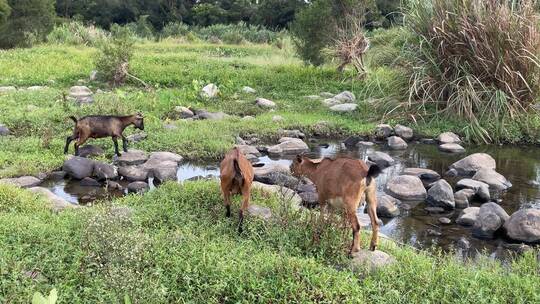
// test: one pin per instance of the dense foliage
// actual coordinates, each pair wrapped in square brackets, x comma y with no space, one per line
[5,11]
[30,20]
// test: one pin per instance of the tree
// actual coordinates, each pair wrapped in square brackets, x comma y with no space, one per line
[30,20]
[5,11]
[277,14]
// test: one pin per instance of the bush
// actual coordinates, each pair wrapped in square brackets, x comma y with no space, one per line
[5,11]
[479,59]
[75,33]
[175,29]
[112,62]
[29,22]
[142,28]
[236,33]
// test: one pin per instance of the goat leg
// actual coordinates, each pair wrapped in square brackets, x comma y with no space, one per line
[69,139]
[125,143]
[115,141]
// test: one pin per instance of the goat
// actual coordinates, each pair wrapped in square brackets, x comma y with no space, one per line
[103,126]
[342,183]
[236,175]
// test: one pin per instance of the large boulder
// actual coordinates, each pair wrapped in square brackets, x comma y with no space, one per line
[247,150]
[79,167]
[289,146]
[468,216]
[81,94]
[448,138]
[441,195]
[183,112]
[451,148]
[278,178]
[162,174]
[343,108]
[495,181]
[396,143]
[404,132]
[283,193]
[469,165]
[426,175]
[387,206]
[491,218]
[4,131]
[132,158]
[406,188]
[210,91]
[383,131]
[90,150]
[259,211]
[134,173]
[22,182]
[7,89]
[265,103]
[481,189]
[382,159]
[330,102]
[104,171]
[463,197]
[55,202]
[137,187]
[270,168]
[524,226]
[345,96]
[165,156]
[367,260]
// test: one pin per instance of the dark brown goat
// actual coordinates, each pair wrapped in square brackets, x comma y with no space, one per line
[341,183]
[236,174]
[103,126]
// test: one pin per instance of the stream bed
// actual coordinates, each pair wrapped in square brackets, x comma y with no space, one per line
[414,226]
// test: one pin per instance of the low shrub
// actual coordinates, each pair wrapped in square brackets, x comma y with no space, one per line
[112,61]
[76,33]
[175,30]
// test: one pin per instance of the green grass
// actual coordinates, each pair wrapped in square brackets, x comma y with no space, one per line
[177,246]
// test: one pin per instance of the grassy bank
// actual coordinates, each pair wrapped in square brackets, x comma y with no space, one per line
[174,245]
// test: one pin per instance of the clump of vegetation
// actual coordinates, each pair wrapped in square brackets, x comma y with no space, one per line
[5,11]
[27,23]
[174,30]
[142,28]
[236,33]
[479,60]
[76,33]
[112,62]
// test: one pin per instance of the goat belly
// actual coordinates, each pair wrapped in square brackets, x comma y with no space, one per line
[336,203]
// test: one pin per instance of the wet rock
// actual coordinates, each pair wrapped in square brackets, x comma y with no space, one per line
[240,141]
[259,211]
[246,149]
[248,90]
[4,131]
[78,167]
[382,159]
[131,158]
[271,167]
[524,225]
[370,260]
[210,91]
[277,118]
[345,96]
[7,89]
[112,185]
[434,209]
[481,189]
[365,144]
[351,141]
[469,165]
[387,206]
[137,187]
[89,182]
[406,188]
[448,138]
[163,174]
[451,148]
[137,137]
[133,173]
[104,171]
[365,220]
[326,94]
[463,197]
[265,103]
[445,221]
[495,181]
[427,141]
[90,150]
[81,94]
[463,243]
[278,178]
[427,176]
[292,134]
[468,216]
[344,108]
[183,112]
[22,182]
[283,193]
[404,132]
[396,143]
[56,175]
[432,232]
[518,248]
[441,195]
[289,146]
[383,131]
[55,202]
[165,156]
[211,115]
[491,218]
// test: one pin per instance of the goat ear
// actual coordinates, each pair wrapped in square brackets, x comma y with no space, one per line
[299,158]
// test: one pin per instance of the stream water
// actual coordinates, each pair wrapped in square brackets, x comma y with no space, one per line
[414,226]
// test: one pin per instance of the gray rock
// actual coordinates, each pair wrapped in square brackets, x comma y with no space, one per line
[7,89]
[289,146]
[90,150]
[382,159]
[404,132]
[495,181]
[36,88]
[184,112]
[441,195]
[133,173]
[330,102]
[4,131]
[448,138]
[265,103]
[278,178]
[491,217]
[277,118]
[104,171]
[292,133]
[463,243]
[463,197]
[367,260]
[93,75]
[481,189]
[524,226]
[427,176]
[383,131]
[427,141]
[468,216]
[137,187]
[345,96]
[259,211]
[406,188]
[271,167]
[283,193]
[79,167]
[22,182]
[343,108]
[387,206]
[165,156]
[365,144]
[248,90]
[137,137]
[326,94]
[451,148]
[210,91]
[351,141]
[81,94]
[112,185]
[309,198]
[469,165]
[163,174]
[131,158]
[434,209]
[246,149]
[432,232]
[56,203]
[445,221]
[396,143]
[211,115]
[89,182]
[56,175]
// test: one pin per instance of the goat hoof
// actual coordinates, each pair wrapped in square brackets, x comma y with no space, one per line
[373,247]
[228,214]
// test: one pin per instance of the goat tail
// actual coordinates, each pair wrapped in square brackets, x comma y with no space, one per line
[237,170]
[74,119]
[373,171]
